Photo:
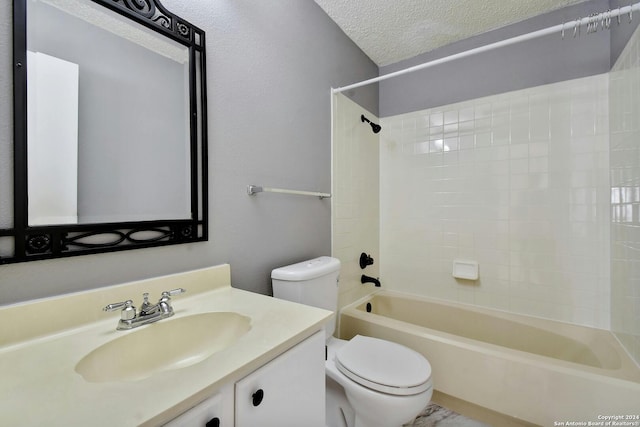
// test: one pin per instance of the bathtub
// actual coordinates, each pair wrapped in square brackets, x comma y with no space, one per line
[541,371]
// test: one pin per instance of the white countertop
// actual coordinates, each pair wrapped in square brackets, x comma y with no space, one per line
[40,386]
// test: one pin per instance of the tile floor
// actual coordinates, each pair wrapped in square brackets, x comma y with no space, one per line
[437,416]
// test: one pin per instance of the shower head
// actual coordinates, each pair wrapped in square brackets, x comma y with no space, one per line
[374,127]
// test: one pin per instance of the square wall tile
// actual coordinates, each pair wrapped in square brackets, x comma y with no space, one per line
[500,190]
[625,189]
[355,194]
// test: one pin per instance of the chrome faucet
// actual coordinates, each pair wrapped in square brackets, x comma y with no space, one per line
[131,318]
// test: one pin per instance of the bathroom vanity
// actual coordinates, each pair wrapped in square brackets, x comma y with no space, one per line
[226,357]
[284,392]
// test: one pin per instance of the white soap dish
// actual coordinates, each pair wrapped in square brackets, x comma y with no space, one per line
[463,269]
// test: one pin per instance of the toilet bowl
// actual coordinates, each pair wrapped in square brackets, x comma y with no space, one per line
[386,384]
[370,382]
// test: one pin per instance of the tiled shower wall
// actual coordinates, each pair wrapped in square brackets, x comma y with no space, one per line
[355,196]
[624,101]
[518,182]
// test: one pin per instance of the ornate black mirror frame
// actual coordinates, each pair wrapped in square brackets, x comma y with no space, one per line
[55,241]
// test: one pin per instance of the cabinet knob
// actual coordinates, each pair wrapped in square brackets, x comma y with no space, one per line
[213,422]
[257,397]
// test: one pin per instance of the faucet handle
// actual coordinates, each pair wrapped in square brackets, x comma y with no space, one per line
[365,260]
[128,310]
[164,304]
[116,305]
[173,292]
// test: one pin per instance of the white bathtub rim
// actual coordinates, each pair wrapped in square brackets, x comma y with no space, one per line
[617,376]
[468,306]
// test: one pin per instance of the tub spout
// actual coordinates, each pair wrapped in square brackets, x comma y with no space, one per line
[366,279]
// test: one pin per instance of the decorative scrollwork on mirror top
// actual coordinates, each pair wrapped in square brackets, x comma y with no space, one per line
[32,243]
[152,12]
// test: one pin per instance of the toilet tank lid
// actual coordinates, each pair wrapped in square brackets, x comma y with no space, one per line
[306,270]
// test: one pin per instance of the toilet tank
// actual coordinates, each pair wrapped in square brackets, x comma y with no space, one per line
[313,282]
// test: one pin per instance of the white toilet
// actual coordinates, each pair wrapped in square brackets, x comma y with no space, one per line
[385,384]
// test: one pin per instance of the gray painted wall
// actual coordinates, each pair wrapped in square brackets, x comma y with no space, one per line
[536,62]
[270,66]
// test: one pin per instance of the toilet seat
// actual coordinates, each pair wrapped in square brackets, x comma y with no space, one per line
[384,366]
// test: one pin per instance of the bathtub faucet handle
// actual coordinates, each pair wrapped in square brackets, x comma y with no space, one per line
[365,260]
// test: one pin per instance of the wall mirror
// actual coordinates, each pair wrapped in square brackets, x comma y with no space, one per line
[109,129]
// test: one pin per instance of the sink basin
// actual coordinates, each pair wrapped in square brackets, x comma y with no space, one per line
[164,345]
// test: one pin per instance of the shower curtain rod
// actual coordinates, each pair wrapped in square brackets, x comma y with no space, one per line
[570,26]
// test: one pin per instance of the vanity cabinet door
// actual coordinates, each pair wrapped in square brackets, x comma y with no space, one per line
[216,411]
[289,391]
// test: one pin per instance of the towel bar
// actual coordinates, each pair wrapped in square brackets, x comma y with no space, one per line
[254,189]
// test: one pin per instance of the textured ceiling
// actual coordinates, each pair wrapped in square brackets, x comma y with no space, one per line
[389,31]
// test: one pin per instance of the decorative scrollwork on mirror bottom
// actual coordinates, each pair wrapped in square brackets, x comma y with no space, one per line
[60,243]
[96,239]
[38,243]
[77,240]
